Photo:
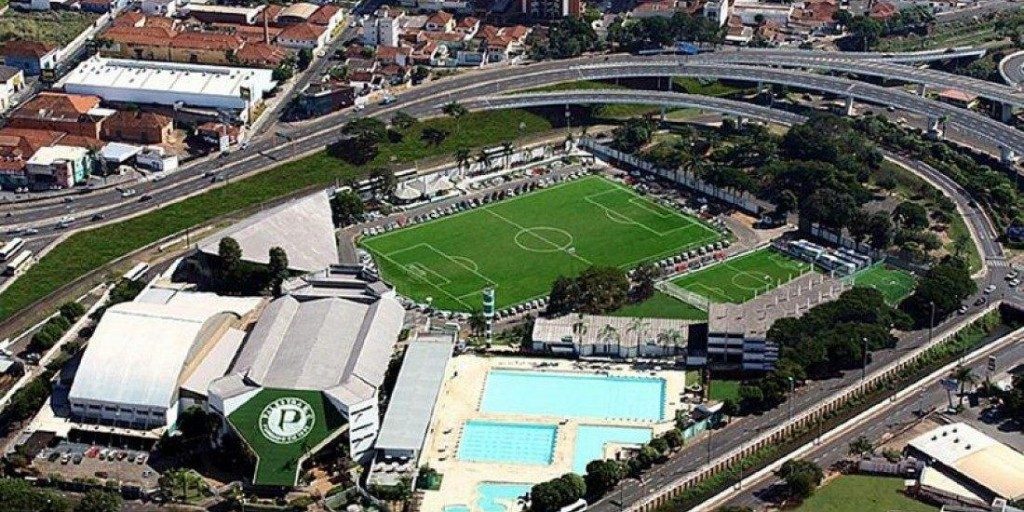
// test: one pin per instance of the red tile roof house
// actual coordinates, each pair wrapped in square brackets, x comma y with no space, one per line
[302,36]
[69,113]
[138,127]
[882,11]
[17,145]
[400,55]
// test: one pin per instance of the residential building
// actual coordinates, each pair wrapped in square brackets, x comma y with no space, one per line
[551,9]
[230,90]
[157,159]
[12,81]
[17,145]
[32,57]
[160,7]
[208,13]
[958,98]
[138,126]
[656,8]
[383,28]
[322,98]
[440,21]
[303,36]
[58,166]
[219,135]
[717,11]
[754,12]
[298,12]
[73,114]
[329,16]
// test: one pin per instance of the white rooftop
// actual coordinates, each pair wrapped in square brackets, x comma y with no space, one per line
[976,456]
[139,349]
[49,154]
[174,77]
[303,228]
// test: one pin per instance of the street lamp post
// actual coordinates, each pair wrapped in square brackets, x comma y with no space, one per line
[931,322]
[864,359]
[792,386]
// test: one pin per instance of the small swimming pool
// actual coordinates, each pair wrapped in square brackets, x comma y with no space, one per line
[455,508]
[574,395]
[591,440]
[500,497]
[519,443]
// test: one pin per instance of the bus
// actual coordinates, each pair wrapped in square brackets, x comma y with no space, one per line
[10,248]
[19,262]
[136,272]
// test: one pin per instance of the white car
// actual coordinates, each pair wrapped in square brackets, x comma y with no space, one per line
[990,288]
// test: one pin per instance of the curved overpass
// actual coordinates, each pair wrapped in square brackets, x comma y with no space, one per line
[878,68]
[1012,68]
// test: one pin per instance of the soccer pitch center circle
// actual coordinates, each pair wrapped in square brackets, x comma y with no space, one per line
[543,239]
[286,420]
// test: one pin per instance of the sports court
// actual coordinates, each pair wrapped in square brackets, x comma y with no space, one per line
[521,245]
[741,279]
[895,284]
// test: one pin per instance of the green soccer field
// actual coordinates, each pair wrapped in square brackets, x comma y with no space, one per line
[741,279]
[521,245]
[895,284]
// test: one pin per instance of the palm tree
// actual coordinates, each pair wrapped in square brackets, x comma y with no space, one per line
[608,332]
[462,157]
[455,109]
[966,377]
[477,322]
[579,330]
[484,159]
[638,327]
[673,336]
[506,151]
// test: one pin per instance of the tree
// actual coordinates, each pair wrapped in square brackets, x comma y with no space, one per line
[602,476]
[569,37]
[674,438]
[633,135]
[554,494]
[403,121]
[462,157]
[967,379]
[18,496]
[860,446]
[730,407]
[786,203]
[305,57]
[601,290]
[99,501]
[455,109]
[507,150]
[385,181]
[644,277]
[231,261]
[477,322]
[278,269]
[72,310]
[911,215]
[829,208]
[943,287]
[802,477]
[433,136]
[420,73]
[346,208]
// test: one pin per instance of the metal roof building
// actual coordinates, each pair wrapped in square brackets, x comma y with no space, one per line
[169,83]
[303,228]
[412,404]
[141,352]
[974,460]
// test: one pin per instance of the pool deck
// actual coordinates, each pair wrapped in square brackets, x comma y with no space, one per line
[459,401]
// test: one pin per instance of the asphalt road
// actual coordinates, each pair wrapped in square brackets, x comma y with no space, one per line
[901,414]
[291,139]
[1012,69]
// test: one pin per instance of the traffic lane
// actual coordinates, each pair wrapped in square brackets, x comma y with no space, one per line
[903,413]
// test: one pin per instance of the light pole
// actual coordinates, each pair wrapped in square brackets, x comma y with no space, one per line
[931,321]
[864,358]
[792,386]
[711,433]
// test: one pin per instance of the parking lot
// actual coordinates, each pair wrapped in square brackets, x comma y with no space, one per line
[84,461]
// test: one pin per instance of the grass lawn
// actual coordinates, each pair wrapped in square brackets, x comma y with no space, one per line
[661,305]
[704,88]
[958,229]
[521,245]
[858,493]
[278,462]
[89,250]
[724,389]
[54,27]
[741,279]
[895,284]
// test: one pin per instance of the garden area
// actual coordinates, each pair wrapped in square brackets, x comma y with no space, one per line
[57,28]
[857,493]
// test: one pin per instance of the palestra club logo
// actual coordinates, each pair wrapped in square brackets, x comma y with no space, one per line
[287,420]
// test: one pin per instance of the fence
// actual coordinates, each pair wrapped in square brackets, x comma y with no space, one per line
[694,299]
[744,202]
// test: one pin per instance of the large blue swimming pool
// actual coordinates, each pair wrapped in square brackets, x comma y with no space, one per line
[574,395]
[519,443]
[591,440]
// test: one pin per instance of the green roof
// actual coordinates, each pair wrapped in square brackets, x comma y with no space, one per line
[282,426]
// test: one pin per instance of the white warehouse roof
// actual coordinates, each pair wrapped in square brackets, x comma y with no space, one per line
[167,83]
[975,456]
[303,228]
[139,349]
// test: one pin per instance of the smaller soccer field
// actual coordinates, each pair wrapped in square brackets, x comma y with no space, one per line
[741,279]
[519,246]
[895,284]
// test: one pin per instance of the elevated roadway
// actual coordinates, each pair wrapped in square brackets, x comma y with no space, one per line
[1012,69]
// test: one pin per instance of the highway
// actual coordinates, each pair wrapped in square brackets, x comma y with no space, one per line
[1012,69]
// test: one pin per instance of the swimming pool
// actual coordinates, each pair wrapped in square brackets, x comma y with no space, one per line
[520,443]
[574,395]
[500,497]
[591,440]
